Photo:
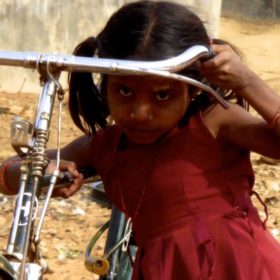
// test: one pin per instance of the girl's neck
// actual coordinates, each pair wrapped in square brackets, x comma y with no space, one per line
[126,144]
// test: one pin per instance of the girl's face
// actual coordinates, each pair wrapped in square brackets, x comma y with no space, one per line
[146,107]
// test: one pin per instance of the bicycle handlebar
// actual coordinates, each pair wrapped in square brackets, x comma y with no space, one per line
[60,62]
[164,68]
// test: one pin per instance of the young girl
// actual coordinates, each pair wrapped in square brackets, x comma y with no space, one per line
[175,161]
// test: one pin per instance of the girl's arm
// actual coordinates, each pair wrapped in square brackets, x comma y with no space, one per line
[236,125]
[74,155]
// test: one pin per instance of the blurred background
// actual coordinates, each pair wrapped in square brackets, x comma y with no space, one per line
[56,26]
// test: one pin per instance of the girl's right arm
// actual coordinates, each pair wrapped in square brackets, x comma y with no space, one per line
[75,155]
[9,175]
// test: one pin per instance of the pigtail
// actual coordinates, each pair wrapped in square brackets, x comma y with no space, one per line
[87,109]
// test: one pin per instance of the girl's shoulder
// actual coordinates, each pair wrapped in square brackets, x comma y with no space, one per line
[112,130]
[103,145]
[223,122]
[107,136]
[242,129]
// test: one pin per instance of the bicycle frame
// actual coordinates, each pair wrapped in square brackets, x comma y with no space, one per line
[30,142]
[22,259]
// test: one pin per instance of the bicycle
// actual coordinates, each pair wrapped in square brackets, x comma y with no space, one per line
[22,259]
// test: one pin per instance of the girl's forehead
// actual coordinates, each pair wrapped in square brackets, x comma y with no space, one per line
[147,80]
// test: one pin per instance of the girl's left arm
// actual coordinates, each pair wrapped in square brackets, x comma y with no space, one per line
[228,71]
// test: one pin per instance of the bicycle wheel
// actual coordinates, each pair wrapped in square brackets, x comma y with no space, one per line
[125,268]
[120,263]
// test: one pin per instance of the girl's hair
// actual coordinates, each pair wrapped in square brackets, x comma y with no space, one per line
[143,30]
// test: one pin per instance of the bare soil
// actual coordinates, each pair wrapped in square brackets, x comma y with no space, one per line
[70,223]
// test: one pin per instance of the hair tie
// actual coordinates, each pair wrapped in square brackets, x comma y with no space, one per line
[92,41]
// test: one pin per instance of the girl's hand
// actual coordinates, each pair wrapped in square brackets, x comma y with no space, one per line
[74,185]
[226,69]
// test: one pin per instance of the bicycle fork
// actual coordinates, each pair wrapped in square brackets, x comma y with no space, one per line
[22,257]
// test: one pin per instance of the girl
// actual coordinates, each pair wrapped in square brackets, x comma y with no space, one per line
[176,162]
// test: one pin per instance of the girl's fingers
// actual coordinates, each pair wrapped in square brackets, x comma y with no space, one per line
[226,69]
[218,60]
[75,185]
[71,189]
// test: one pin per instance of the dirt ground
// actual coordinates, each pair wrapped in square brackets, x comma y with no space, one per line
[70,223]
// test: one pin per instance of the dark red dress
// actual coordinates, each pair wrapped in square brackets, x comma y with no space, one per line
[189,198]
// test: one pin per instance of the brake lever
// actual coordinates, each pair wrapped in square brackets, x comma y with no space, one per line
[65,179]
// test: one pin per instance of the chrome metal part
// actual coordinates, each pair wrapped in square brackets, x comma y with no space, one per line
[163,68]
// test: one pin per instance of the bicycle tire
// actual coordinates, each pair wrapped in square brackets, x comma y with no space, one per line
[125,266]
[120,263]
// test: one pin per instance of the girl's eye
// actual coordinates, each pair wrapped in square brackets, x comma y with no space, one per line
[162,96]
[125,91]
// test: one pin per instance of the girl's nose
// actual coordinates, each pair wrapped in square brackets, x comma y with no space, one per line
[142,112]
